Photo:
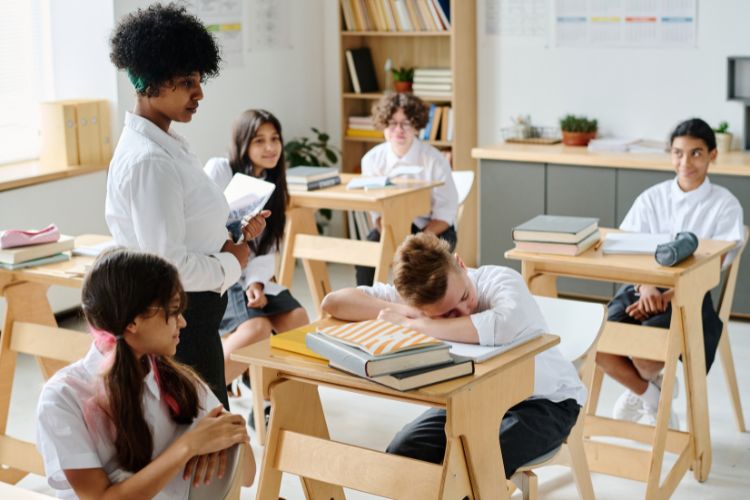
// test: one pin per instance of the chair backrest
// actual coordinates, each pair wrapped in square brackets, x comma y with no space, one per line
[579,325]
[49,342]
[464,180]
[726,296]
[228,487]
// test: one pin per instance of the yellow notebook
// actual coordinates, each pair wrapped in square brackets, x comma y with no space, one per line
[294,341]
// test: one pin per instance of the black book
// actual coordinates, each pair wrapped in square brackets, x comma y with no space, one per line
[361,70]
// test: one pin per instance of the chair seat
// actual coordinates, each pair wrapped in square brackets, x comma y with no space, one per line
[539,460]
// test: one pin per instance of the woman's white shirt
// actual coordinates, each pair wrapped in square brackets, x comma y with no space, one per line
[260,268]
[74,433]
[159,200]
[381,160]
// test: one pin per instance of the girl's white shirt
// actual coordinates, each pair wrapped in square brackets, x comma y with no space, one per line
[260,268]
[74,433]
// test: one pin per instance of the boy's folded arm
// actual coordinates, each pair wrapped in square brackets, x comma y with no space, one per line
[352,304]
[460,329]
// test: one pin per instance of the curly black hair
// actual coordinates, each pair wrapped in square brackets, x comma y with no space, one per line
[160,43]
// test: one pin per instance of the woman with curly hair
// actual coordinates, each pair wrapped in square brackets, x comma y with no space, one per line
[158,198]
[401,116]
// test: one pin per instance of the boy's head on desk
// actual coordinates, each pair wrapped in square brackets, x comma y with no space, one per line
[692,146]
[432,280]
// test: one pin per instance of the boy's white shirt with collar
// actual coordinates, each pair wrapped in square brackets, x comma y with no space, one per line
[507,311]
[73,433]
[709,211]
[159,200]
[260,268]
[381,160]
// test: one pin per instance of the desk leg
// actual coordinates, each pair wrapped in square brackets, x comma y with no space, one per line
[291,228]
[296,407]
[395,227]
[544,285]
[474,416]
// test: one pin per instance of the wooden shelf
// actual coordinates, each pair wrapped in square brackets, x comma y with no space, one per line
[397,33]
[29,173]
[354,138]
[374,96]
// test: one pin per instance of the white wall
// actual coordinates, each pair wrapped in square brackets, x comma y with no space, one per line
[633,93]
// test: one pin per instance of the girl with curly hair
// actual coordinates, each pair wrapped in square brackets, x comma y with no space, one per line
[127,421]
[158,198]
[401,116]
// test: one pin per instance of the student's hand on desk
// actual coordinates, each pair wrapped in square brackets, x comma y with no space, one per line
[215,432]
[256,297]
[251,228]
[240,251]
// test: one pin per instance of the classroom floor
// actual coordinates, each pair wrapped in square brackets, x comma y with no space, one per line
[371,422]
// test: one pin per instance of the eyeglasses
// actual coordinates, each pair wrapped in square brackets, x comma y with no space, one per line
[405,126]
[172,311]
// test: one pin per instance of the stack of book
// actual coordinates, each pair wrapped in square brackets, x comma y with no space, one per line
[311,178]
[389,354]
[396,15]
[433,82]
[362,126]
[20,249]
[439,124]
[557,234]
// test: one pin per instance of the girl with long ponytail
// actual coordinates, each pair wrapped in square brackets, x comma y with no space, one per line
[128,421]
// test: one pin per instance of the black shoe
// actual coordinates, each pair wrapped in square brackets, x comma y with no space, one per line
[246,378]
[266,414]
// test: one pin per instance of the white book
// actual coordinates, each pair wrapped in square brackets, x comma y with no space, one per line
[480,353]
[633,243]
[247,195]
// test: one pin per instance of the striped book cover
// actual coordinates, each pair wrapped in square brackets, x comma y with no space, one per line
[378,337]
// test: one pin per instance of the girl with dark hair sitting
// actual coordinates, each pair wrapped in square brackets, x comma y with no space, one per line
[158,198]
[257,304]
[127,421]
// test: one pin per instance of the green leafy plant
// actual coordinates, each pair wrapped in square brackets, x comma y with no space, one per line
[572,123]
[723,128]
[403,74]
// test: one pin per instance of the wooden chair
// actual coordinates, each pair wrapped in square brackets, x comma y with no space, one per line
[579,325]
[19,458]
[230,485]
[464,181]
[724,308]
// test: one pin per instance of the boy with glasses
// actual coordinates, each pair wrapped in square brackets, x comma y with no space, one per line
[401,116]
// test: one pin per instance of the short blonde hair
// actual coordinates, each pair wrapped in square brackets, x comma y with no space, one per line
[421,267]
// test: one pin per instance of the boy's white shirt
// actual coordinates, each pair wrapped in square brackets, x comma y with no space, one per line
[381,161]
[709,211]
[260,268]
[72,433]
[506,311]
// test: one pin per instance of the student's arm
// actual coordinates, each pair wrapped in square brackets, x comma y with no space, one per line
[436,226]
[217,431]
[353,304]
[453,329]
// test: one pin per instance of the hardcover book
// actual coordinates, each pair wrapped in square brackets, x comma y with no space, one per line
[559,248]
[306,175]
[378,338]
[555,229]
[17,255]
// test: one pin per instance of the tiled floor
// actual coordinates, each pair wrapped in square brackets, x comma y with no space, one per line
[372,422]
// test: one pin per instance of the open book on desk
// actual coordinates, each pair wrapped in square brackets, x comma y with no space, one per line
[633,243]
[381,181]
[480,353]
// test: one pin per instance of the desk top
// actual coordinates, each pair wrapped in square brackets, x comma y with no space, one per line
[28,173]
[332,197]
[732,163]
[593,264]
[298,366]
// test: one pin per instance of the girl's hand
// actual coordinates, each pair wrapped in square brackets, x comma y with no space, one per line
[215,432]
[256,298]
[204,467]
[254,226]
[240,251]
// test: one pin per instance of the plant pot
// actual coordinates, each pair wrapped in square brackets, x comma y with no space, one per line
[723,142]
[402,87]
[577,138]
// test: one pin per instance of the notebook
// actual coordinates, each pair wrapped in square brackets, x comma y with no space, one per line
[633,243]
[377,337]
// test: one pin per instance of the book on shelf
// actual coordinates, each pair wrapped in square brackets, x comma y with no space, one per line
[444,123]
[378,337]
[294,341]
[555,229]
[402,15]
[361,363]
[425,133]
[445,88]
[435,123]
[432,72]
[305,175]
[49,259]
[312,186]
[571,249]
[358,132]
[361,70]
[362,224]
[17,255]
[421,377]
[633,243]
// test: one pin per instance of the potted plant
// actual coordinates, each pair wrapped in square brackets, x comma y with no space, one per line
[301,151]
[402,79]
[577,130]
[723,137]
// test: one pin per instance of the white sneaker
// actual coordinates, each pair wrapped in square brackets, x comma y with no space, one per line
[659,380]
[629,406]
[648,417]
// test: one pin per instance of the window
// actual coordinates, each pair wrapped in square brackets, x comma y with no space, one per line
[20,79]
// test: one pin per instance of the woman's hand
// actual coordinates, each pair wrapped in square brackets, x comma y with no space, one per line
[252,227]
[240,251]
[256,297]
[217,431]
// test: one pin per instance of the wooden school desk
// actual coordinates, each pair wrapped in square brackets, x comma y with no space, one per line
[25,293]
[398,206]
[691,280]
[298,439]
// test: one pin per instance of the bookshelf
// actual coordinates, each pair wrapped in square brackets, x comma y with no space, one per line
[455,49]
